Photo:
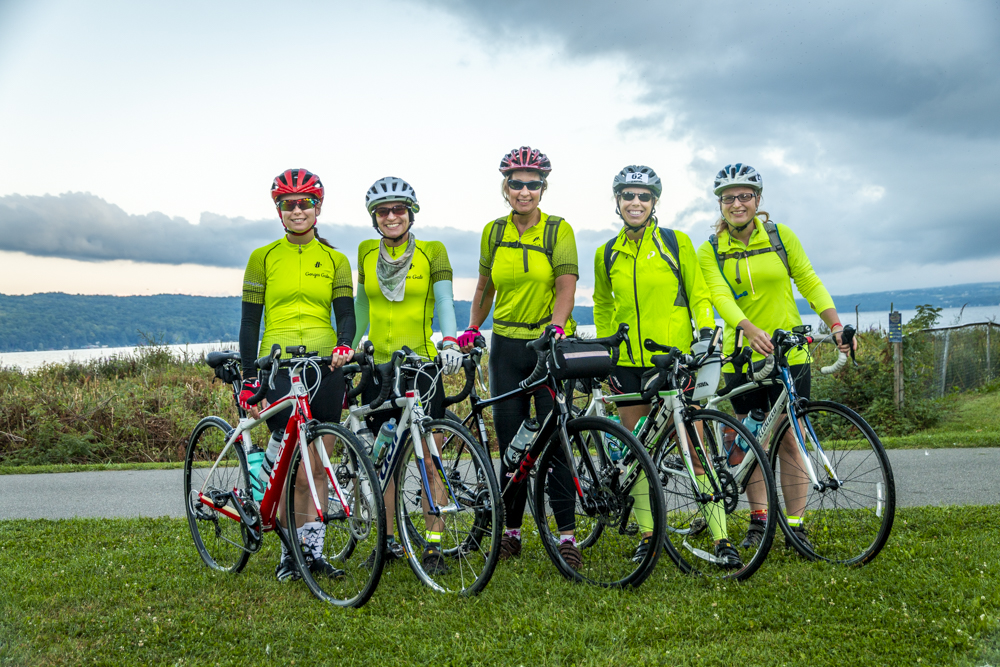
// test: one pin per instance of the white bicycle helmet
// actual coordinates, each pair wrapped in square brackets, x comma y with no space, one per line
[640,176]
[738,174]
[390,189]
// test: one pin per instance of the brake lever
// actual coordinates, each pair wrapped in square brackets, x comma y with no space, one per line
[628,346]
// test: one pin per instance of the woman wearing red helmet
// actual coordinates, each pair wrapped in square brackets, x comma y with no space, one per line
[295,282]
[532,290]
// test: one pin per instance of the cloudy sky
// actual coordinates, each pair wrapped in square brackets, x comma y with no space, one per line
[140,139]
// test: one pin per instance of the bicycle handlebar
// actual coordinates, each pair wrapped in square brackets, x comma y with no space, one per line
[545,344]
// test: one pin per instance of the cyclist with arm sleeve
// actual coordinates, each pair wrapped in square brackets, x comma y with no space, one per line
[640,281]
[294,283]
[753,289]
[402,282]
[528,267]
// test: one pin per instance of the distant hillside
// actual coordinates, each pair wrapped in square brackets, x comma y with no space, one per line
[55,321]
[954,296]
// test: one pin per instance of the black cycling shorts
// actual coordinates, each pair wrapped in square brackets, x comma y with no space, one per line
[765,397]
[627,380]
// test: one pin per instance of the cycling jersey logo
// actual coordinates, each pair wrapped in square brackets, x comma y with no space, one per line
[317,275]
[317,265]
[650,255]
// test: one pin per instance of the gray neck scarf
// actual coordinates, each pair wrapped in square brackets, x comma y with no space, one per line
[392,272]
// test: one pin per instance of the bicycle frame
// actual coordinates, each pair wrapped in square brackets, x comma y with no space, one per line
[786,403]
[411,420]
[296,433]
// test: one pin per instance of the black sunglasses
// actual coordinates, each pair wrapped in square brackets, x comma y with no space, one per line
[629,196]
[384,211]
[744,197]
[517,186]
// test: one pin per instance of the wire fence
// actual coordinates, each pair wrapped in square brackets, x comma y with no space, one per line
[965,357]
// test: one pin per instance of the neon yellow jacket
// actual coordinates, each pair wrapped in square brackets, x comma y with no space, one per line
[642,290]
[769,302]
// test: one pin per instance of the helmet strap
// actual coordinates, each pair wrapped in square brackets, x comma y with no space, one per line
[740,228]
[633,228]
[288,231]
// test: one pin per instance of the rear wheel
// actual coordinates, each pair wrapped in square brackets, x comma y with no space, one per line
[212,489]
[847,520]
[335,546]
[696,523]
[616,506]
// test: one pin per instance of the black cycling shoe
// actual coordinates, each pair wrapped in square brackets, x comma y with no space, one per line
[320,567]
[286,569]
[640,551]
[393,551]
[755,535]
[728,555]
[802,536]
[432,560]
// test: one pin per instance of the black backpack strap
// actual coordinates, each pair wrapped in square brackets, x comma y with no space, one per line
[550,235]
[610,256]
[669,239]
[775,239]
[496,237]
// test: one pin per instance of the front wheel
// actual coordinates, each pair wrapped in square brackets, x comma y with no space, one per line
[337,555]
[607,504]
[729,503]
[849,518]
[469,523]
[213,485]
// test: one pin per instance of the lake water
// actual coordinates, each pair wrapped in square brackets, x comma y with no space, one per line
[865,321]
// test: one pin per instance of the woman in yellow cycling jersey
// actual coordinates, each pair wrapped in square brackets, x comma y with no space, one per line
[648,277]
[402,283]
[295,282]
[528,265]
[751,287]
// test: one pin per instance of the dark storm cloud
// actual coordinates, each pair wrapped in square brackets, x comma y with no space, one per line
[84,227]
[874,124]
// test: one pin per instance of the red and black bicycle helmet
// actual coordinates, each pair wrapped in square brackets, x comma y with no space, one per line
[297,181]
[525,158]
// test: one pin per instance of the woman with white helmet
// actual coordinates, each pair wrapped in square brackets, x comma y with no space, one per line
[648,277]
[402,283]
[294,283]
[749,265]
[528,265]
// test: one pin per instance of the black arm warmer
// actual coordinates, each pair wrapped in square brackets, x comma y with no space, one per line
[347,325]
[250,337]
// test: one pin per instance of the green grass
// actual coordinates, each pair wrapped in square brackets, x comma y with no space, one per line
[135,592]
[971,420]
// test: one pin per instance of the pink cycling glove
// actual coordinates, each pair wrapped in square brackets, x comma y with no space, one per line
[469,337]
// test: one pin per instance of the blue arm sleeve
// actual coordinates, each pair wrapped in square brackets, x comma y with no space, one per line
[444,307]
[361,316]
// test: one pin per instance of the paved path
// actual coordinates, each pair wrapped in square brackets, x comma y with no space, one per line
[923,477]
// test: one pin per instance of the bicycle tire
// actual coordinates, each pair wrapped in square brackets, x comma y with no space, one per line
[346,539]
[473,526]
[851,524]
[607,560]
[220,540]
[690,530]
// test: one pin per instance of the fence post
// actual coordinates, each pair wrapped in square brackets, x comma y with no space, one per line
[944,360]
[989,368]
[896,338]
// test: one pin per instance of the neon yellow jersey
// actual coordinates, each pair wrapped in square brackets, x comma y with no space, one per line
[297,285]
[769,302]
[525,279]
[407,322]
[641,293]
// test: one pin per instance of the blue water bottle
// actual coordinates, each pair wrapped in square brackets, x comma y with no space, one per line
[255,457]
[753,422]
[385,436]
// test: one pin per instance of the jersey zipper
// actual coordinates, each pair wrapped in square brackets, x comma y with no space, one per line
[635,295]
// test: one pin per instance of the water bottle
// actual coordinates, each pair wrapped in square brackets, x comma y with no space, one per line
[385,436]
[752,421]
[270,456]
[612,444]
[523,437]
[255,457]
[367,439]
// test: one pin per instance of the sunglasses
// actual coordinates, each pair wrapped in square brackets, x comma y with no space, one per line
[384,211]
[289,205]
[729,199]
[517,186]
[629,196]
